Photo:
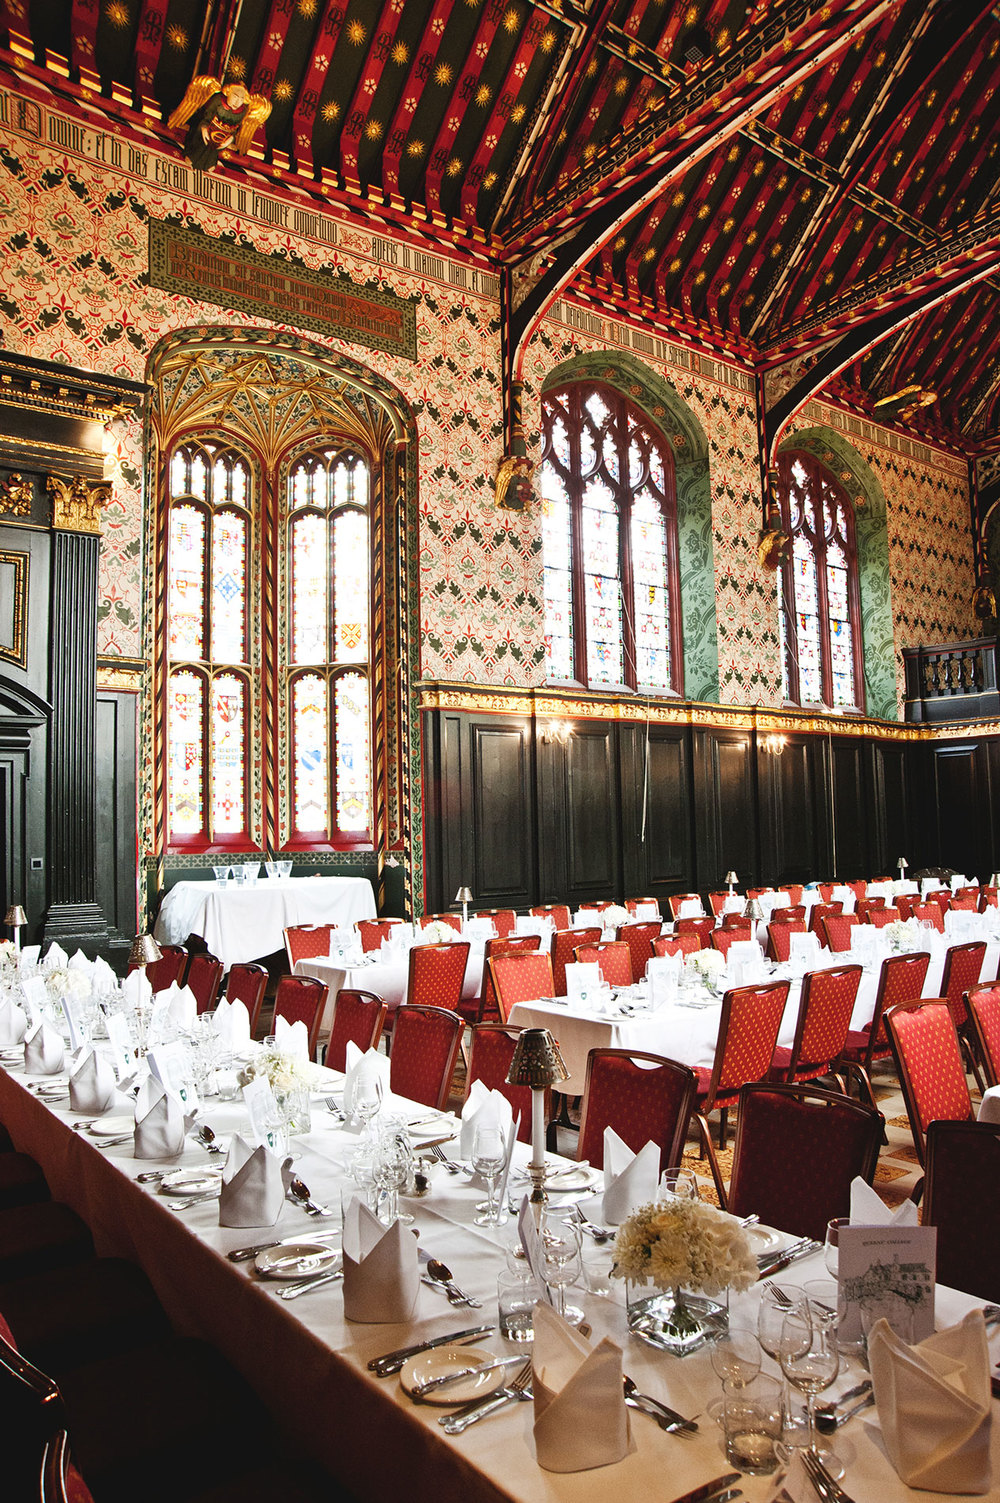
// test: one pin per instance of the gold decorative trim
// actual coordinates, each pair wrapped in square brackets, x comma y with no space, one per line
[77,503]
[15,495]
[127,677]
[17,649]
[45,447]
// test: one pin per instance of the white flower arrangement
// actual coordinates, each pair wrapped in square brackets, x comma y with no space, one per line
[9,955]
[709,964]
[900,934]
[437,932]
[614,916]
[684,1244]
[67,981]
[284,1072]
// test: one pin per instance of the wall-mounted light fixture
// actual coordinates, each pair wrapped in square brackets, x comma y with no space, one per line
[773,744]
[557,733]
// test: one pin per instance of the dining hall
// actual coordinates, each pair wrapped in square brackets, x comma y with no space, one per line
[499,739]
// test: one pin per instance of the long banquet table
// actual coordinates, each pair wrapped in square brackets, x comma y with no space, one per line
[239,922]
[388,979]
[308,1363]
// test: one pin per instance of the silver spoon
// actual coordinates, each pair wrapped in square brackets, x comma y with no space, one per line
[299,1191]
[441,1274]
[206,1137]
[827,1423]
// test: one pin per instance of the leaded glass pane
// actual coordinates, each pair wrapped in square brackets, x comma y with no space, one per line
[350,587]
[301,487]
[353,775]
[602,601]
[229,536]
[185,739]
[807,622]
[178,474]
[310,738]
[199,476]
[310,589]
[560,441]
[558,579]
[651,604]
[185,582]
[228,754]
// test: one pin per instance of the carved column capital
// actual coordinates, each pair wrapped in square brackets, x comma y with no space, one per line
[77,503]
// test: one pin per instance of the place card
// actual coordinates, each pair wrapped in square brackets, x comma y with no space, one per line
[584,983]
[170,1064]
[259,1100]
[33,991]
[531,1243]
[880,1268]
[120,1038]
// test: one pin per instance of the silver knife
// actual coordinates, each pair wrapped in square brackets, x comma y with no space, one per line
[454,1424]
[709,1489]
[392,1362]
[476,1371]
[292,1291]
[244,1254]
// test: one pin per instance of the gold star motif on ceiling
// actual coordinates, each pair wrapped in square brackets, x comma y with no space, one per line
[331,111]
[620,243]
[548,41]
[282,89]
[373,130]
[517,113]
[489,181]
[177,38]
[511,20]
[236,67]
[483,95]
[415,149]
[307,8]
[621,86]
[454,167]
[443,74]
[117,13]
[356,33]
[400,53]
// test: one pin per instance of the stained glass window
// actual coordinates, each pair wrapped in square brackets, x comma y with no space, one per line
[820,616]
[609,542]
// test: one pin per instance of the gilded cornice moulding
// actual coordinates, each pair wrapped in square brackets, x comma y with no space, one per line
[77,503]
[128,675]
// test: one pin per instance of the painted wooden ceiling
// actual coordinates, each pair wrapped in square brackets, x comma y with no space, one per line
[810,186]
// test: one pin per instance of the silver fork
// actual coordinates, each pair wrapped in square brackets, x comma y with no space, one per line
[442,1158]
[829,1490]
[779,1295]
[518,1388]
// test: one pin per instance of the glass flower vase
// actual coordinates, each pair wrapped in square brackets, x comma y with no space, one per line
[676,1320]
[295,1110]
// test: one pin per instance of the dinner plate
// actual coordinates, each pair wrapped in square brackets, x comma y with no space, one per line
[573,1177]
[297,1260]
[448,1359]
[764,1238]
[112,1127]
[190,1181]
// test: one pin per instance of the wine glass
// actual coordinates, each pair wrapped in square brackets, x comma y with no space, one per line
[390,1169]
[831,1248]
[489,1154]
[736,1357]
[368,1102]
[682,1184]
[810,1362]
[563,1264]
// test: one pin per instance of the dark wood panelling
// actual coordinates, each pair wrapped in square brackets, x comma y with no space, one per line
[893,774]
[657,838]
[726,808]
[504,819]
[851,844]
[115,748]
[593,812]
[963,839]
[794,844]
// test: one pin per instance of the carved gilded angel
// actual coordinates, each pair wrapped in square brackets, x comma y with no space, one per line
[224,117]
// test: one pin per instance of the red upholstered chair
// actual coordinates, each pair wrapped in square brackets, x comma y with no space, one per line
[521,978]
[436,976]
[639,937]
[724,937]
[453,920]
[966,899]
[247,983]
[204,977]
[557,912]
[836,931]
[779,939]
[756,892]
[865,907]
[941,897]
[860,891]
[169,968]
[963,1159]
[797,1151]
[819,912]
[901,979]
[748,1034]
[504,920]
[880,918]
[644,1097]
[825,1008]
[825,890]
[613,957]
[633,905]
[929,913]
[358,1018]
[928,1058]
[677,898]
[906,902]
[677,944]
[599,905]
[490,1054]
[790,915]
[425,1046]
[36,1450]
[302,999]
[734,921]
[372,932]
[486,1008]
[703,927]
[794,891]
[717,902]
[564,945]
[988,897]
[963,966]
[303,941]
[984,1026]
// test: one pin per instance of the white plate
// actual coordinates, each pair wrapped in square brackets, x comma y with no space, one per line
[112,1127]
[190,1181]
[764,1238]
[297,1260]
[573,1177]
[448,1359]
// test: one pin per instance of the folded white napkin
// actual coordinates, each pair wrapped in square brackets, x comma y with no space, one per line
[13,1023]
[933,1403]
[136,987]
[55,957]
[44,1051]
[91,1084]
[691,908]
[30,955]
[232,1024]
[183,1008]
[80,962]
[103,979]
[735,904]
[482,1107]
[803,948]
[358,1064]
[160,1123]
[254,1182]
[869,1209]
[646,913]
[381,1274]
[580,1417]
[630,1179]
[291,1038]
[479,928]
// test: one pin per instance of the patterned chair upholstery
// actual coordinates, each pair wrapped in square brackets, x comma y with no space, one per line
[728,934]
[984,1025]
[797,1151]
[504,920]
[836,931]
[789,915]
[825,1008]
[169,968]
[821,911]
[825,890]
[928,1058]
[358,1018]
[677,944]
[734,921]
[521,978]
[564,945]
[677,898]
[490,1054]
[966,897]
[748,1034]
[779,939]
[756,892]
[794,891]
[303,941]
[204,977]
[453,920]
[372,932]
[860,891]
[865,907]
[963,966]
[644,1097]
[962,1158]
[941,898]
[988,897]
[614,959]
[425,1047]
[632,905]
[247,983]
[906,902]
[901,979]
[638,937]
[302,999]
[436,975]
[879,918]
[557,912]
[485,1008]
[703,927]
[929,913]
[717,901]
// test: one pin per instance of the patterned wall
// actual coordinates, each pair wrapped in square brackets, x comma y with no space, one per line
[73,287]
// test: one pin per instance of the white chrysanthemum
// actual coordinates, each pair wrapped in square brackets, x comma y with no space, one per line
[284,1072]
[684,1244]
[437,933]
[65,981]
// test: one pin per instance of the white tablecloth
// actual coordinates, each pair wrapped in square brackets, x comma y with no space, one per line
[387,979]
[243,923]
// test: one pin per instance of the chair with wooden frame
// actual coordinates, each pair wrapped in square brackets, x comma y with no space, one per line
[825,890]
[638,936]
[203,978]
[929,1064]
[788,915]
[794,891]
[485,1007]
[372,932]
[306,941]
[612,957]
[436,976]
[643,1097]
[880,918]
[988,897]
[632,906]
[825,1008]
[677,898]
[358,1018]
[677,944]
[966,899]
[717,901]
[960,1199]
[247,983]
[860,891]
[490,1053]
[453,920]
[730,934]
[984,1026]
[734,921]
[835,931]
[558,912]
[302,999]
[425,1047]
[169,968]
[520,977]
[779,939]
[865,907]
[797,1151]
[563,951]
[758,892]
[906,902]
[819,911]
[504,920]
[901,979]
[748,1035]
[703,927]
[929,913]
[963,966]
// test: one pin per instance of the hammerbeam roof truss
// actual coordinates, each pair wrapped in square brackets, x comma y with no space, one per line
[524,127]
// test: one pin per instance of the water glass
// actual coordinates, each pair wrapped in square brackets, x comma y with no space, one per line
[221,875]
[517,1295]
[736,1357]
[831,1249]
[489,1154]
[752,1420]
[810,1361]
[563,1259]
[682,1184]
